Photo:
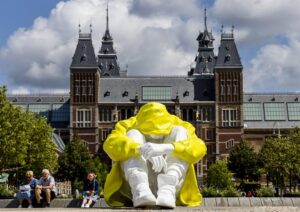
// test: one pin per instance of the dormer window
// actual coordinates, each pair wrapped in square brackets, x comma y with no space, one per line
[125,93]
[111,66]
[107,93]
[83,58]
[186,93]
[227,58]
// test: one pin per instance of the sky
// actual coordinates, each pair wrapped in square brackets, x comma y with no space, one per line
[151,37]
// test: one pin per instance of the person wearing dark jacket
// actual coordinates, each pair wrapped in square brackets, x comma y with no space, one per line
[90,190]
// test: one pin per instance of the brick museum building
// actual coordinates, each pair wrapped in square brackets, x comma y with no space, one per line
[210,96]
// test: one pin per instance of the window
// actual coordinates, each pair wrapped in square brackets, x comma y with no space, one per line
[229,118]
[222,87]
[228,87]
[199,169]
[126,113]
[84,118]
[83,87]
[90,87]
[104,134]
[229,143]
[274,111]
[206,114]
[208,134]
[294,111]
[156,93]
[77,87]
[188,114]
[105,114]
[61,112]
[252,111]
[235,87]
[42,109]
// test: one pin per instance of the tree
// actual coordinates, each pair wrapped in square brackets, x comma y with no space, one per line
[25,139]
[243,162]
[218,176]
[75,162]
[280,157]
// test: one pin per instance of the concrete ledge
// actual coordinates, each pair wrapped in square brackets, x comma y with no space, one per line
[179,209]
[207,202]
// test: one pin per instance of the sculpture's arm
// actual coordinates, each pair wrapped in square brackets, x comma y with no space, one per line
[118,146]
[191,149]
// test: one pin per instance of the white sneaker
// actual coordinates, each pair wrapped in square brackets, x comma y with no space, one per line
[29,206]
[82,205]
[166,191]
[87,206]
[166,198]
[19,206]
[142,196]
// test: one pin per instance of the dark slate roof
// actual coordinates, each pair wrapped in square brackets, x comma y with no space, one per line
[228,55]
[274,98]
[38,98]
[188,89]
[84,55]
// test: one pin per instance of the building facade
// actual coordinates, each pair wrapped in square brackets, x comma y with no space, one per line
[210,97]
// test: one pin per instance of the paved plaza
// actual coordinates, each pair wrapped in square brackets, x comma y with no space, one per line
[201,209]
[242,204]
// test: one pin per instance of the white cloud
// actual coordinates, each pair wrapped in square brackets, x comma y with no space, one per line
[275,68]
[161,40]
[157,37]
[268,33]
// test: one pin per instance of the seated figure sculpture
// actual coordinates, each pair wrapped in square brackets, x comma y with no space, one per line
[153,157]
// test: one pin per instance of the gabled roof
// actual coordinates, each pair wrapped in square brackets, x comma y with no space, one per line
[84,55]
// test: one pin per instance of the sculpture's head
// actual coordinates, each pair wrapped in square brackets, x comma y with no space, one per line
[154,119]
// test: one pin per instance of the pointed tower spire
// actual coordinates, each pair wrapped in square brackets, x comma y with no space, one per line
[205,19]
[107,35]
[205,59]
[107,17]
[107,57]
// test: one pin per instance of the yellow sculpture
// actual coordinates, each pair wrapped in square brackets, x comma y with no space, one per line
[153,155]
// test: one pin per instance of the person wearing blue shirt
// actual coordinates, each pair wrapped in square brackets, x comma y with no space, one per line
[27,191]
[90,190]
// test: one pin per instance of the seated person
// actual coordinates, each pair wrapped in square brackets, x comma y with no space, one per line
[90,190]
[153,157]
[27,191]
[45,188]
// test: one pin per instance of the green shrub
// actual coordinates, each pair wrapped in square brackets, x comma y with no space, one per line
[211,192]
[231,192]
[265,192]
[4,191]
[292,194]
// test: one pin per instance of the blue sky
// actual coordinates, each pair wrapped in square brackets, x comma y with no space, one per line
[20,13]
[151,37]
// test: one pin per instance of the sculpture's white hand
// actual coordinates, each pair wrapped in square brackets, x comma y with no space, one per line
[150,149]
[158,163]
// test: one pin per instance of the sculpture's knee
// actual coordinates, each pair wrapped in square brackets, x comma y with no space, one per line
[176,167]
[136,135]
[177,133]
[133,166]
